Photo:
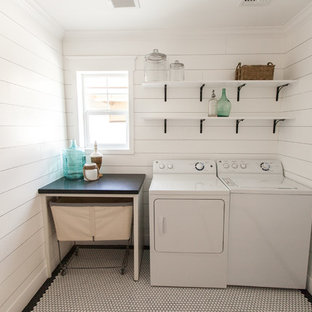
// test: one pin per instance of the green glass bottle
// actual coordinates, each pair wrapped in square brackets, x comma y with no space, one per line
[73,162]
[223,105]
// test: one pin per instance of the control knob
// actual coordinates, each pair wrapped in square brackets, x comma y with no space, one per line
[243,166]
[226,165]
[161,166]
[234,165]
[170,166]
[265,166]
[199,166]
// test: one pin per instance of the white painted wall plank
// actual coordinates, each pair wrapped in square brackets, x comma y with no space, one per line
[14,177]
[16,259]
[11,136]
[20,297]
[209,133]
[33,131]
[12,27]
[12,115]
[16,74]
[295,139]
[195,147]
[10,221]
[14,280]
[23,96]
[15,239]
[11,52]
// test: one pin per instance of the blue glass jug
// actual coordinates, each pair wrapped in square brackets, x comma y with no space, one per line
[73,161]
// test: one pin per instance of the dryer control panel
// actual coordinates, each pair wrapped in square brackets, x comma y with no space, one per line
[240,166]
[196,166]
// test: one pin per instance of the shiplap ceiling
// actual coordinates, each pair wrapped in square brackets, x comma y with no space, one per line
[198,15]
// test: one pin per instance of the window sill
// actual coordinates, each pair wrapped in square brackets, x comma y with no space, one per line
[89,150]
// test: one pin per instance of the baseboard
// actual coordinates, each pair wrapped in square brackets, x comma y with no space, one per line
[23,297]
[46,284]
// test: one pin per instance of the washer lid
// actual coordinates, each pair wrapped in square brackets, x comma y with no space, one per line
[187,183]
[263,183]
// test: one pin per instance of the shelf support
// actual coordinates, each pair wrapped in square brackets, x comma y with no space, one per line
[278,89]
[275,122]
[165,93]
[201,92]
[238,121]
[201,125]
[165,125]
[238,91]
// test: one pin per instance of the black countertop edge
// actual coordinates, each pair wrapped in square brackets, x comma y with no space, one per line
[43,191]
[114,184]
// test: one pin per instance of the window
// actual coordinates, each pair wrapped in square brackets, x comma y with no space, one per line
[104,108]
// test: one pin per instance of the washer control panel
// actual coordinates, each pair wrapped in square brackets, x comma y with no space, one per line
[269,166]
[185,166]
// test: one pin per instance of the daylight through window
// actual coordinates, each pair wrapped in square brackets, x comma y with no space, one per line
[105,99]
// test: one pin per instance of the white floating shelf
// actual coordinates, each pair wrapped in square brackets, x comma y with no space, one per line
[239,84]
[197,116]
[276,118]
[217,83]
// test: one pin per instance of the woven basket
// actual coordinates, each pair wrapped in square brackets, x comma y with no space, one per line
[254,72]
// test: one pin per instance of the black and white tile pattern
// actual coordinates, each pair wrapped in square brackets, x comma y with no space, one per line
[108,290]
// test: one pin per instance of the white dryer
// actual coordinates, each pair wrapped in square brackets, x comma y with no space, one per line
[188,211]
[270,224]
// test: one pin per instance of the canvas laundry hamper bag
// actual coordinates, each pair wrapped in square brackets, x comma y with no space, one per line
[87,221]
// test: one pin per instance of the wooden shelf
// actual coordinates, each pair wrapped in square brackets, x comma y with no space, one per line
[239,84]
[276,118]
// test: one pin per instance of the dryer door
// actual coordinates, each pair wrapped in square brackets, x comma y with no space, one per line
[189,225]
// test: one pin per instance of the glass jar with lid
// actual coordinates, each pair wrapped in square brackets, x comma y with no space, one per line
[176,71]
[155,67]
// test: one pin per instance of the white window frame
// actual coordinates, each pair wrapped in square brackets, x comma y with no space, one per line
[87,113]
[78,65]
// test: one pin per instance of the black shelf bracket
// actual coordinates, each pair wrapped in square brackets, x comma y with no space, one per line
[165,125]
[238,121]
[278,89]
[238,91]
[165,93]
[201,92]
[275,122]
[201,125]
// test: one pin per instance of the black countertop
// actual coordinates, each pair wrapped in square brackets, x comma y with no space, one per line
[108,184]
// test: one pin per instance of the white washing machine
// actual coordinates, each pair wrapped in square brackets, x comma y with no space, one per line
[188,211]
[269,226]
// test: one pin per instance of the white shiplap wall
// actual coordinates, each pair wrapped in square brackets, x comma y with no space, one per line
[32,133]
[295,138]
[208,56]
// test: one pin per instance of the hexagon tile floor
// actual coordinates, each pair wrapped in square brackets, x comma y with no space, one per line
[106,290]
